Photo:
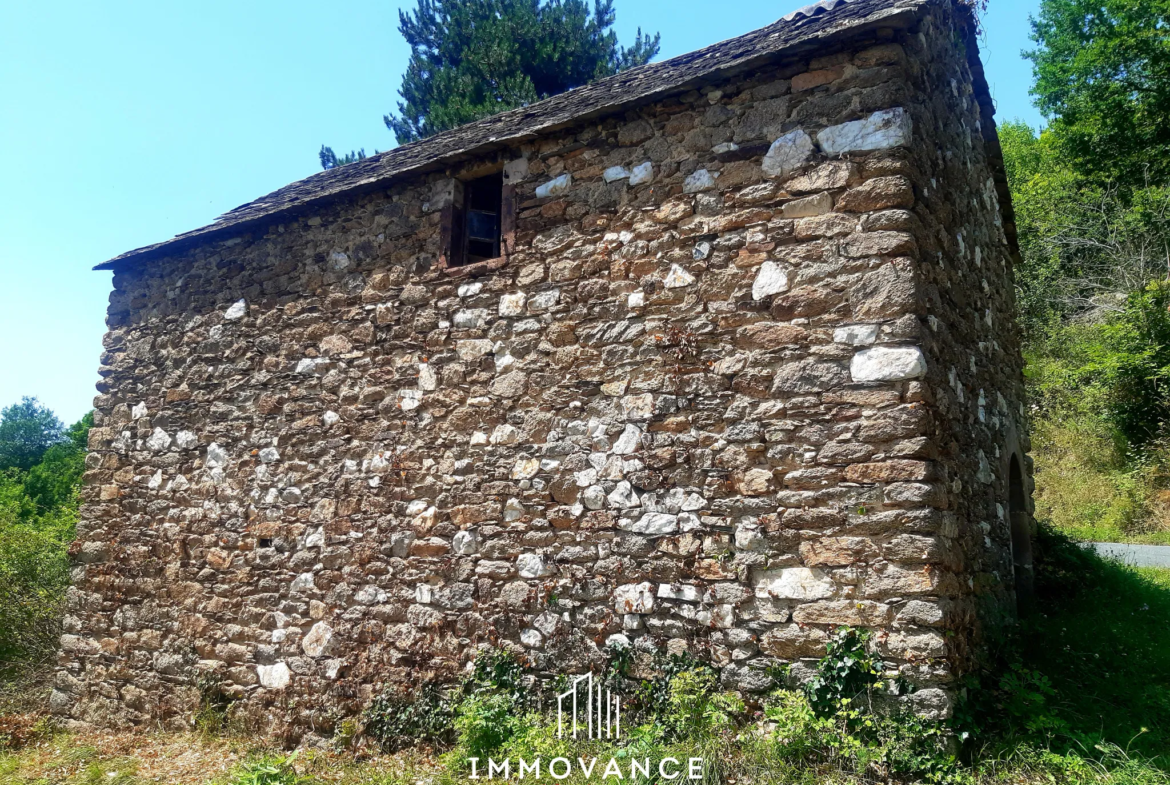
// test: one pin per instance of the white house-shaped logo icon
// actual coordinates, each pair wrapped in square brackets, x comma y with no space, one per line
[600,711]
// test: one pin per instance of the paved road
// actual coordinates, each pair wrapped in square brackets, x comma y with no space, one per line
[1137,555]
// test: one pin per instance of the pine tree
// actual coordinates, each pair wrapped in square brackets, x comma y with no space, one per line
[473,58]
[331,160]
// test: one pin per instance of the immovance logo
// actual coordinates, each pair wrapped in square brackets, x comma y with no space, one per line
[604,704]
[588,710]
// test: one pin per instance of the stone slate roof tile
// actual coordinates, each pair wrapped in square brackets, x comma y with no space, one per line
[806,28]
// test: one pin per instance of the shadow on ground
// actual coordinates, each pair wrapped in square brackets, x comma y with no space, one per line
[1089,668]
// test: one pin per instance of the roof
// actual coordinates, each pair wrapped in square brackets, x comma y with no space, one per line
[808,27]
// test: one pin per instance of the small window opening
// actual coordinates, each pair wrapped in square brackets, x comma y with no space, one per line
[265,542]
[1021,537]
[483,200]
[475,224]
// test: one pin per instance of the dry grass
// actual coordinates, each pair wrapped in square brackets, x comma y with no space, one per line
[1085,488]
[112,758]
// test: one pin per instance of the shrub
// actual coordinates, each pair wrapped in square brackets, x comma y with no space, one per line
[269,770]
[395,719]
[34,572]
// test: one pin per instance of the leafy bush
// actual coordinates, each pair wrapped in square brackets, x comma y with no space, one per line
[34,572]
[40,470]
[395,719]
[269,770]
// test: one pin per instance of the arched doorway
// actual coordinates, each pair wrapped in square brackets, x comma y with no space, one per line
[1021,534]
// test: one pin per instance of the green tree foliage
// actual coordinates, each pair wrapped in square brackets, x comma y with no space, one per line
[1102,74]
[474,58]
[1117,368]
[1085,245]
[38,515]
[331,160]
[27,431]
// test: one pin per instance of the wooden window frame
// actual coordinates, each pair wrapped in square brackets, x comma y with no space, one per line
[452,226]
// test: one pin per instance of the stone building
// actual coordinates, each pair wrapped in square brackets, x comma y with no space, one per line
[708,356]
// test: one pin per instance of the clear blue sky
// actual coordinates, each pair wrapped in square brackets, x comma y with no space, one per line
[124,123]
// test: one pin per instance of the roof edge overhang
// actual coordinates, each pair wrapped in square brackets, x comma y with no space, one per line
[897,15]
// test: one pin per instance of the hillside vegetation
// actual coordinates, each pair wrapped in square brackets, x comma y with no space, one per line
[41,464]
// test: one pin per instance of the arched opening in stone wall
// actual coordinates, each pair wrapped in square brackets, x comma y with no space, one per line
[1021,534]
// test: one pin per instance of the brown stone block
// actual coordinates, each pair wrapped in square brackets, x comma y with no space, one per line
[826,177]
[890,580]
[857,613]
[879,244]
[889,471]
[880,193]
[218,559]
[910,548]
[812,478]
[429,547]
[891,290]
[769,336]
[836,551]
[176,395]
[828,225]
[792,641]
[811,79]
[899,423]
[883,54]
[804,302]
[674,210]
[714,570]
[813,518]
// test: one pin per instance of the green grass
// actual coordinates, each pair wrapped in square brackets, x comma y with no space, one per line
[1086,487]
[1101,637]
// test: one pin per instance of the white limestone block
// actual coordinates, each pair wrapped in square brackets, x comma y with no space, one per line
[505,434]
[634,598]
[642,173]
[274,677]
[513,304]
[427,378]
[679,591]
[771,279]
[555,187]
[699,180]
[856,334]
[465,543]
[623,496]
[628,442]
[787,153]
[888,364]
[678,278]
[159,440]
[238,310]
[473,349]
[881,130]
[794,583]
[525,469]
[653,523]
[615,173]
[319,640]
[531,565]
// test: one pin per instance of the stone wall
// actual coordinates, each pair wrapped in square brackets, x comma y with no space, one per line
[750,373]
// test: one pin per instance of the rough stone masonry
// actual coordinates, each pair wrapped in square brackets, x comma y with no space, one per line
[745,368]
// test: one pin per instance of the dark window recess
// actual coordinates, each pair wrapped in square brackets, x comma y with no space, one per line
[265,542]
[477,226]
